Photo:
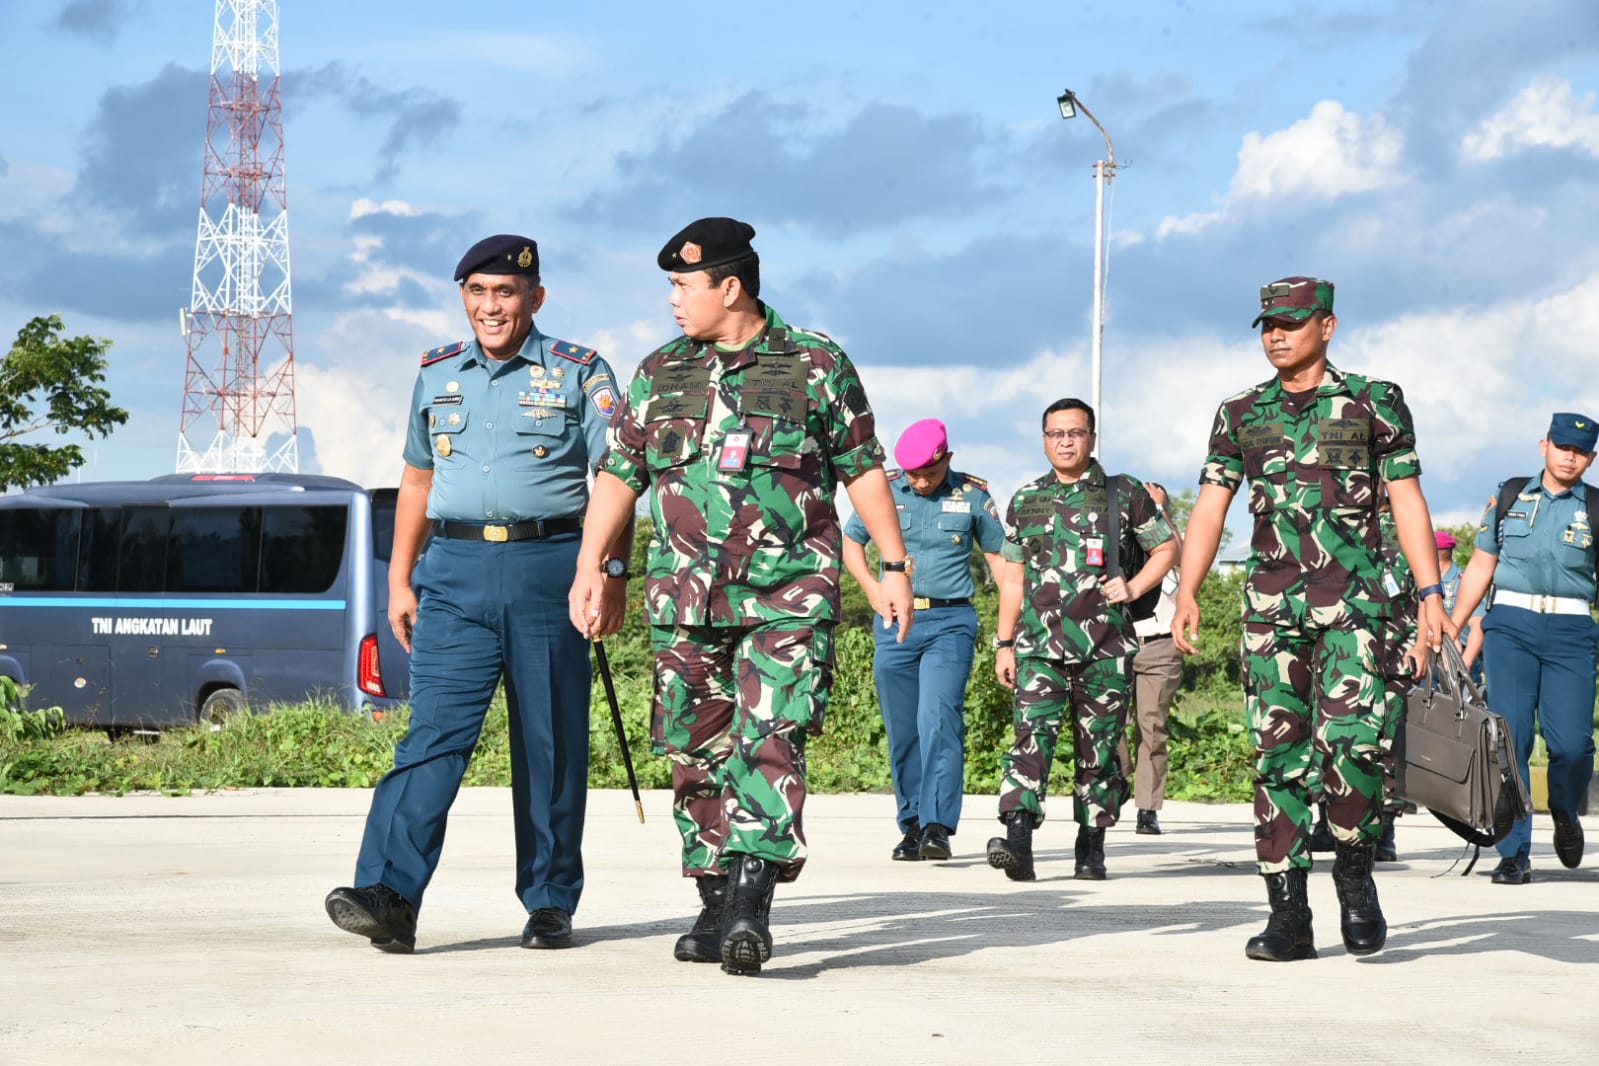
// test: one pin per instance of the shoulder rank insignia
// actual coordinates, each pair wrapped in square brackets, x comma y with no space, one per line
[575,352]
[444,351]
[975,482]
[893,474]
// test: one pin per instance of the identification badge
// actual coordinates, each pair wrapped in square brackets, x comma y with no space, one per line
[1389,584]
[735,451]
[1093,551]
[957,507]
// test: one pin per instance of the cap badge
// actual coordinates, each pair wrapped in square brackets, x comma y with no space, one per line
[690,252]
[525,260]
[1579,423]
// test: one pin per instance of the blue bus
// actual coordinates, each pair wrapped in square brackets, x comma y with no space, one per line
[137,604]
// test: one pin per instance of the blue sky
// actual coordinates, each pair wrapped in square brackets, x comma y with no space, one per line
[916,195]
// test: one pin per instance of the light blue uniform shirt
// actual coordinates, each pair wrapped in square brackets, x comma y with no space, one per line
[1548,543]
[939,530]
[514,440]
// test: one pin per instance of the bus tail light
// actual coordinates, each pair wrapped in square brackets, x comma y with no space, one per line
[370,675]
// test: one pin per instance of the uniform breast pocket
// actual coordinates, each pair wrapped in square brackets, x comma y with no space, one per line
[955,528]
[1265,449]
[1578,536]
[444,430]
[777,442]
[673,426]
[541,429]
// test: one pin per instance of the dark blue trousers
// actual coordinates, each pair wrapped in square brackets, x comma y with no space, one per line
[921,689]
[1540,668]
[486,611]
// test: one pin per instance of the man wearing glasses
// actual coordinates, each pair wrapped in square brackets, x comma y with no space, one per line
[921,682]
[1316,445]
[1065,639]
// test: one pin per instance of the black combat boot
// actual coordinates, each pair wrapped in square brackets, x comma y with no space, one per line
[1321,838]
[746,935]
[1288,934]
[1387,851]
[703,943]
[1013,852]
[1360,918]
[1090,854]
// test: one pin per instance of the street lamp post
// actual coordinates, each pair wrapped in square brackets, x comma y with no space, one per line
[1104,171]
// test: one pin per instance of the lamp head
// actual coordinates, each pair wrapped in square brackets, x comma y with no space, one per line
[1068,104]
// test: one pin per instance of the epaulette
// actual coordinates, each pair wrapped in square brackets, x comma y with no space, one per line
[575,352]
[893,474]
[443,351]
[976,482]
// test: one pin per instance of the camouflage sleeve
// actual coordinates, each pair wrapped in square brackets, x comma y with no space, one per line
[1012,552]
[990,532]
[1144,518]
[418,448]
[1224,465]
[624,456]
[855,530]
[1393,435]
[598,406]
[850,427]
[1487,536]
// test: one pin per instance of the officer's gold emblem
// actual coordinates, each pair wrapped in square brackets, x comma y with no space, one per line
[525,260]
[690,252]
[540,451]
[535,371]
[560,372]
[444,444]
[455,420]
[453,386]
[433,420]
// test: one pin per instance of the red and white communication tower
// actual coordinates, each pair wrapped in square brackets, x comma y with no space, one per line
[238,390]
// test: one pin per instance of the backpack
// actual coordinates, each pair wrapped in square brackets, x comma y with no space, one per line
[1144,606]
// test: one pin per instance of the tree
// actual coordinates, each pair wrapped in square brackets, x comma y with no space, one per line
[51,382]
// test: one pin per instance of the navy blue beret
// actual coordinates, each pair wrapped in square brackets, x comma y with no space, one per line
[706,243]
[503,253]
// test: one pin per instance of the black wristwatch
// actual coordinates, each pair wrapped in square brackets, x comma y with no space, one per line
[998,644]
[894,568]
[615,568]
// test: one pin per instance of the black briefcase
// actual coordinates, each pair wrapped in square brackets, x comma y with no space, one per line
[1456,758]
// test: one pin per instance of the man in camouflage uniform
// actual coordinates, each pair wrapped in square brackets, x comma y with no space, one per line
[1316,444]
[1065,640]
[744,427]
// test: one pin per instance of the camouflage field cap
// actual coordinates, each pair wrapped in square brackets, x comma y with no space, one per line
[1297,298]
[1572,430]
[705,243]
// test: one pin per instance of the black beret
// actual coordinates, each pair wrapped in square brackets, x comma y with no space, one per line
[503,253]
[706,243]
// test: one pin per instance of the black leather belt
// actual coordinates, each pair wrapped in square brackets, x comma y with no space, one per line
[498,534]
[922,603]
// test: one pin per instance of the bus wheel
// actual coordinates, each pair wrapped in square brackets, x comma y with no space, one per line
[221,705]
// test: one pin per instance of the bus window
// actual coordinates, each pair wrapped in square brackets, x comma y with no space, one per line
[39,548]
[142,555]
[214,549]
[383,502]
[302,548]
[97,556]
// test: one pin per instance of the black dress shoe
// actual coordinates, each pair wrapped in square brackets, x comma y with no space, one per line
[1148,824]
[376,912]
[1512,871]
[934,843]
[548,927]
[1568,839]
[909,848]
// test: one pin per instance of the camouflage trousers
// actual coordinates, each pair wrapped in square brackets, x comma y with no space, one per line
[1095,694]
[733,707]
[1397,684]
[1316,700]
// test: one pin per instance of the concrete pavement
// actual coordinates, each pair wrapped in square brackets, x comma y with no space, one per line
[151,929]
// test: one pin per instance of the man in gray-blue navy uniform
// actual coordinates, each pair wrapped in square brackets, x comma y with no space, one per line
[1535,546]
[921,683]
[502,432]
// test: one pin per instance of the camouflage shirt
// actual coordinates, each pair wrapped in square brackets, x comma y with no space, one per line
[1052,528]
[1400,584]
[744,450]
[1314,460]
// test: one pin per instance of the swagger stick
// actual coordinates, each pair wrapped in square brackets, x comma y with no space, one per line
[616,720]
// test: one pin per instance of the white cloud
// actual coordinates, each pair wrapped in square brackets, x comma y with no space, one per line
[1547,113]
[1328,154]
[362,206]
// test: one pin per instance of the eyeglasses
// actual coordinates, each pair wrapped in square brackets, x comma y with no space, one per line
[1054,435]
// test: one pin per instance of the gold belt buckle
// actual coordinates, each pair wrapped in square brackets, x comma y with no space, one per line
[921,603]
[498,534]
